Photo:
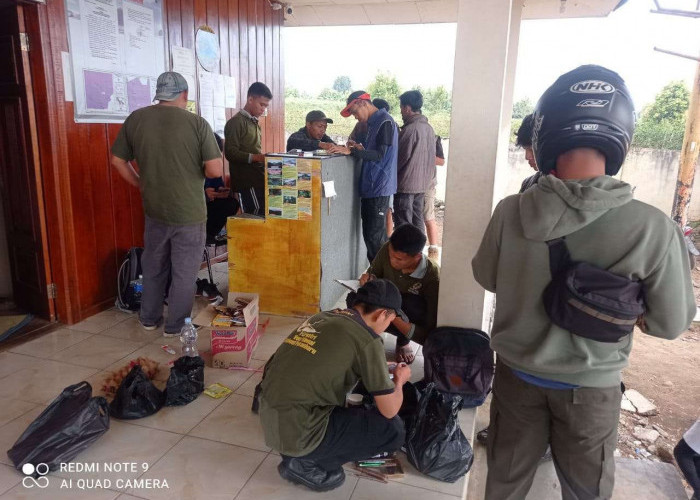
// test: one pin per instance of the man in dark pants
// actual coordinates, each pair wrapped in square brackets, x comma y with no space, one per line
[305,385]
[175,151]
[244,151]
[687,453]
[416,161]
[401,261]
[552,386]
[378,178]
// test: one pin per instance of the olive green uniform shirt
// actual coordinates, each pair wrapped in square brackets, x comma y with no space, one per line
[243,139]
[170,145]
[310,375]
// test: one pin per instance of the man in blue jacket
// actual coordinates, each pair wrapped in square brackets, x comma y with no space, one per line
[378,177]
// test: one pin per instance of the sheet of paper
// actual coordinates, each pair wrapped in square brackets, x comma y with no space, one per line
[219,120]
[100,25]
[206,88]
[329,189]
[350,284]
[183,60]
[140,39]
[219,90]
[207,112]
[230,91]
[67,76]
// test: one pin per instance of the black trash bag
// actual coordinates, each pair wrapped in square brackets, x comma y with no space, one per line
[69,425]
[435,444]
[136,397]
[186,381]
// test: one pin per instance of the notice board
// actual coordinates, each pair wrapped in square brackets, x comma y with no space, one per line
[117,51]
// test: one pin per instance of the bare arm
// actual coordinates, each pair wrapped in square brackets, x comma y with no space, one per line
[390,404]
[126,170]
[439,161]
[214,168]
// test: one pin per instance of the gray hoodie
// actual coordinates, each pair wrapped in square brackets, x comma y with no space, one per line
[416,160]
[603,226]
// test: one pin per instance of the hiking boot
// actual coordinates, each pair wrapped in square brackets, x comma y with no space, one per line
[309,474]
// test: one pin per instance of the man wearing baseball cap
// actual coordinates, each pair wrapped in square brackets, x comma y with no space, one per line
[305,384]
[379,157]
[175,151]
[312,136]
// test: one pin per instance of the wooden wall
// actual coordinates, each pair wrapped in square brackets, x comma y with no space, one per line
[92,214]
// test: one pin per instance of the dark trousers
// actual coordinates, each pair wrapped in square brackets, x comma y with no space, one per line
[415,308]
[217,212]
[579,424]
[689,462]
[373,214]
[355,434]
[408,209]
[171,253]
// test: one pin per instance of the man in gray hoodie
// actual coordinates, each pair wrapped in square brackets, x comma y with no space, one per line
[416,161]
[553,387]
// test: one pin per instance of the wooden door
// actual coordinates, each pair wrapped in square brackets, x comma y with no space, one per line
[20,176]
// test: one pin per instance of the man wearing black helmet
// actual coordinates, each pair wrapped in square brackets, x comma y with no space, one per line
[553,386]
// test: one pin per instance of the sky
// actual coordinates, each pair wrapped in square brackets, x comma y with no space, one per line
[424,54]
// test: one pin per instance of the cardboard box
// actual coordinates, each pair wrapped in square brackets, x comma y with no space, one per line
[232,346]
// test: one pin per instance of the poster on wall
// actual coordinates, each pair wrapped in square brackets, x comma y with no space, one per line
[117,50]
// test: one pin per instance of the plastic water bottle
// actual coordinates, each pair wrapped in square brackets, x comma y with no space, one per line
[188,337]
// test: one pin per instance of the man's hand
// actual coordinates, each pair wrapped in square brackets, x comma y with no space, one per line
[325,145]
[358,146]
[365,278]
[350,143]
[334,149]
[211,194]
[343,150]
[402,374]
[258,158]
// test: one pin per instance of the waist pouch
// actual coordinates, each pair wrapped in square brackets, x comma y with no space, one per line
[588,301]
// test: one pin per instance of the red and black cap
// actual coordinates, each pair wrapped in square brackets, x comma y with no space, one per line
[358,95]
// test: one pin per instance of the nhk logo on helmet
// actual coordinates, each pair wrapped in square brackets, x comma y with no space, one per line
[592,87]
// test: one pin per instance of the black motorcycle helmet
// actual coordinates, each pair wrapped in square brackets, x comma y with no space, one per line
[588,107]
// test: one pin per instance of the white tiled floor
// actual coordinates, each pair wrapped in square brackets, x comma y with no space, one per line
[210,449]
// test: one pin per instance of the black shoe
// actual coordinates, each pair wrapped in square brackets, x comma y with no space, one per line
[483,435]
[307,473]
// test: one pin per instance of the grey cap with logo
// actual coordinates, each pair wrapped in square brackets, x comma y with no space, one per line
[170,85]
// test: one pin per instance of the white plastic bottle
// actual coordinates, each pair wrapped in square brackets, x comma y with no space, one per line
[188,337]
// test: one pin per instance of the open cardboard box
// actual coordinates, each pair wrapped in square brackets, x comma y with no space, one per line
[232,346]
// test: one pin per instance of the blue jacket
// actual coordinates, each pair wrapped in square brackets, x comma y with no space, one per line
[378,178]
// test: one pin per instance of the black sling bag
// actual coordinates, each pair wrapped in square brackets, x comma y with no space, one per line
[588,301]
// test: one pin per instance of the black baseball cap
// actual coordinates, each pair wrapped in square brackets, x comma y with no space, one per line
[381,293]
[317,116]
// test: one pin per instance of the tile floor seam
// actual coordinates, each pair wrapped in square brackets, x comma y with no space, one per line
[251,476]
[229,444]
[53,353]
[124,493]
[151,466]
[24,413]
[98,369]
[222,400]
[19,480]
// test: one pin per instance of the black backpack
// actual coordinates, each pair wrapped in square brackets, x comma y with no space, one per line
[130,270]
[459,361]
[588,301]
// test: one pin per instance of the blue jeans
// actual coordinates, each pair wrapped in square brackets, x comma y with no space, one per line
[170,250]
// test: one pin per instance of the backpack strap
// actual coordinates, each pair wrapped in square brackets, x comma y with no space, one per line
[559,257]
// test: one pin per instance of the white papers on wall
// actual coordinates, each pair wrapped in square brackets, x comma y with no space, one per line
[229,91]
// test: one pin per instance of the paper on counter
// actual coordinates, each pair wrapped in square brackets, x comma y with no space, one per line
[329,189]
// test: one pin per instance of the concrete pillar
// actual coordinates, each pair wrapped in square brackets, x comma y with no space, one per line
[482,95]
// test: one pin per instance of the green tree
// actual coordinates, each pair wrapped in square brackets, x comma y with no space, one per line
[522,108]
[437,99]
[291,92]
[670,104]
[342,84]
[330,95]
[386,87]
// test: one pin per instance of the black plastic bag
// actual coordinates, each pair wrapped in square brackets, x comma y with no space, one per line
[186,381]
[69,425]
[435,444]
[136,397]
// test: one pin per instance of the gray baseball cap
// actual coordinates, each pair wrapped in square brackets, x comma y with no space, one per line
[170,84]
[317,116]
